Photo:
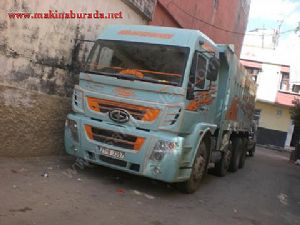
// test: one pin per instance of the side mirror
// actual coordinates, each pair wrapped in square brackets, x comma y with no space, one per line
[213,69]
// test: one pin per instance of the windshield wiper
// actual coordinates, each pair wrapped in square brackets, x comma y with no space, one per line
[131,77]
[147,79]
[119,76]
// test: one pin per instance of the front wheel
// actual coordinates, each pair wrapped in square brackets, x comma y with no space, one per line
[198,171]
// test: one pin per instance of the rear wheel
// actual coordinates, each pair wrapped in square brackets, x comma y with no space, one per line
[237,146]
[198,171]
[222,166]
[244,152]
[251,151]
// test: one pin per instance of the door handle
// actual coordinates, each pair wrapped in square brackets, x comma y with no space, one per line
[203,108]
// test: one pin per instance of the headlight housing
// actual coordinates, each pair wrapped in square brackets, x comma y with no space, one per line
[73,127]
[161,148]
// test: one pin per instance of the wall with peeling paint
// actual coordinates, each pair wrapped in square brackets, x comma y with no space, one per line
[38,61]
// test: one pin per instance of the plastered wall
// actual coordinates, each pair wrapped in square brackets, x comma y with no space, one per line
[274,117]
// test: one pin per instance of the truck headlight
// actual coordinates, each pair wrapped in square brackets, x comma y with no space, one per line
[77,100]
[73,127]
[161,148]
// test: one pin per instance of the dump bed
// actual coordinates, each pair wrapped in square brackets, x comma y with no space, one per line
[236,97]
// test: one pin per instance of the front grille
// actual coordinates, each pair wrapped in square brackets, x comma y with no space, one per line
[114,138]
[113,161]
[137,112]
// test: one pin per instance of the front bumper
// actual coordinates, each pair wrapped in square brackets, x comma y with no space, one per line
[135,162]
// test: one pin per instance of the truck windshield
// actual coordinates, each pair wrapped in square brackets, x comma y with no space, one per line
[138,61]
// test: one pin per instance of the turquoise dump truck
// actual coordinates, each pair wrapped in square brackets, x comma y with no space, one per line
[161,102]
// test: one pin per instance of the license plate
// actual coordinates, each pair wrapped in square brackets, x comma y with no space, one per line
[112,153]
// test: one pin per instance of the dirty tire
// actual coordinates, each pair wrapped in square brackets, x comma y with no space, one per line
[237,146]
[243,153]
[198,171]
[251,151]
[222,166]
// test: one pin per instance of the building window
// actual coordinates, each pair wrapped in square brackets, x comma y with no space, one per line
[285,81]
[296,88]
[256,115]
[253,72]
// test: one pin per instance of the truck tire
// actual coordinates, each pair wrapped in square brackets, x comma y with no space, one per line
[237,146]
[251,151]
[243,153]
[222,166]
[198,171]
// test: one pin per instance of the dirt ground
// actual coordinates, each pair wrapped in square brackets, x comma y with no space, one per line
[46,191]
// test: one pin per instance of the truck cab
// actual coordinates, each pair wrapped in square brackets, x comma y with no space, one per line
[155,101]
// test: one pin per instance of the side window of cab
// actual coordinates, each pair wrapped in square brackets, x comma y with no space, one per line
[197,75]
[200,73]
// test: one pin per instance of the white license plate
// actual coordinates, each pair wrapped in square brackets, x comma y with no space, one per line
[111,153]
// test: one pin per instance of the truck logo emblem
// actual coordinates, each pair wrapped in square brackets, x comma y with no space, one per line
[119,115]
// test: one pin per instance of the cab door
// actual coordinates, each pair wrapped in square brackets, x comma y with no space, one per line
[200,93]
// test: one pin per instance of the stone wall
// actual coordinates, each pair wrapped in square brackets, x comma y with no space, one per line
[38,61]
[31,123]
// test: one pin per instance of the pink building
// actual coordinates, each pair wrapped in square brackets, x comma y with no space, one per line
[223,21]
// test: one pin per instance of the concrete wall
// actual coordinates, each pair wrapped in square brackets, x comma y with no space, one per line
[273,116]
[38,61]
[213,17]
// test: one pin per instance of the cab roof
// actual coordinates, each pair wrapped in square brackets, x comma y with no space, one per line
[156,35]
